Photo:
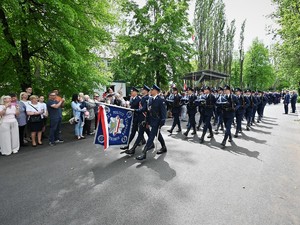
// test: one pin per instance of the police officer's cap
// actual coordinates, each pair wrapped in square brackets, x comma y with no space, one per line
[134,89]
[175,89]
[220,89]
[238,89]
[145,87]
[248,90]
[190,89]
[206,88]
[226,87]
[155,87]
[260,91]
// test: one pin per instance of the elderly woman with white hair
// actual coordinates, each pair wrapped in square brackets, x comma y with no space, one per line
[90,105]
[9,128]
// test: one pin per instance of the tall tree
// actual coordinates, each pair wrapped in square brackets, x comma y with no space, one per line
[154,47]
[241,52]
[52,42]
[258,69]
[215,38]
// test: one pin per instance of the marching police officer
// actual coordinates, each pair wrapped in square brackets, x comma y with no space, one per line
[228,112]
[260,108]
[208,108]
[286,102]
[157,118]
[200,108]
[239,114]
[175,101]
[219,111]
[134,104]
[255,107]
[142,123]
[192,110]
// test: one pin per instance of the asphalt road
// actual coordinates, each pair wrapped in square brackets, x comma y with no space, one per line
[254,180]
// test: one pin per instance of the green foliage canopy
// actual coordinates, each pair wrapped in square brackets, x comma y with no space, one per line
[154,45]
[52,43]
[258,71]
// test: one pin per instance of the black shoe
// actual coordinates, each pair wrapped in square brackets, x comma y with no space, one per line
[130,151]
[223,143]
[217,132]
[247,128]
[162,150]
[143,141]
[258,121]
[170,131]
[236,135]
[185,133]
[193,133]
[230,140]
[141,157]
[178,131]
[125,147]
[198,128]
[211,135]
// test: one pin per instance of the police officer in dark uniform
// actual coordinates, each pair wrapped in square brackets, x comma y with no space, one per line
[208,108]
[249,110]
[286,101]
[240,110]
[200,108]
[256,105]
[228,112]
[157,118]
[174,100]
[134,104]
[142,123]
[260,108]
[294,101]
[219,111]
[191,110]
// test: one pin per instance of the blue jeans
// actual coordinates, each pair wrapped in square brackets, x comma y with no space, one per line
[79,127]
[55,125]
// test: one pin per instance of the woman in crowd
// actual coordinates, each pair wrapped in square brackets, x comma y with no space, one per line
[90,105]
[77,110]
[9,129]
[35,112]
[45,114]
[22,118]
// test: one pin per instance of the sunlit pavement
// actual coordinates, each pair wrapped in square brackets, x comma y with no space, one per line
[254,180]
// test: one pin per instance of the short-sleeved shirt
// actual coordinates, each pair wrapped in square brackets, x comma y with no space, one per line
[54,113]
[10,114]
[34,108]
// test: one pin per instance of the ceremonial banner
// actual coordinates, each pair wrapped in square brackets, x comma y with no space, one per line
[114,125]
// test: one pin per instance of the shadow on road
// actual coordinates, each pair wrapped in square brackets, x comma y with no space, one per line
[260,131]
[248,138]
[242,151]
[160,166]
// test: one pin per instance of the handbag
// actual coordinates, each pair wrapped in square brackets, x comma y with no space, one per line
[35,118]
